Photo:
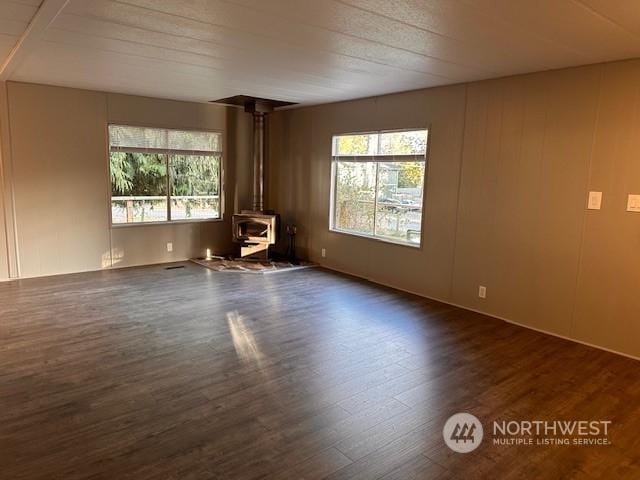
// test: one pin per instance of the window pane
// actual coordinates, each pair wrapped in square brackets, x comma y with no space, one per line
[354,196]
[395,168]
[403,143]
[399,206]
[127,137]
[363,144]
[195,187]
[190,140]
[138,187]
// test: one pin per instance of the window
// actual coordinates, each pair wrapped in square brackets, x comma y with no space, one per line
[378,185]
[160,175]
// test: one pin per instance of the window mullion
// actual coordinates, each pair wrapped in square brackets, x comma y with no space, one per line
[335,193]
[167,163]
[221,193]
[375,199]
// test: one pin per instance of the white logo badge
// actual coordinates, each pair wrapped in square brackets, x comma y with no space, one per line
[462,433]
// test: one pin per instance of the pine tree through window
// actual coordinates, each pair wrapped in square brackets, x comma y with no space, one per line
[163,175]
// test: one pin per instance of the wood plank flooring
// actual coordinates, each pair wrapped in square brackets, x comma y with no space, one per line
[148,373]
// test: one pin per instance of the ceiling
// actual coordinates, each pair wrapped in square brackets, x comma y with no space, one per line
[14,20]
[304,51]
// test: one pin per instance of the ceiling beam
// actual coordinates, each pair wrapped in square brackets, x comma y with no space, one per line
[45,15]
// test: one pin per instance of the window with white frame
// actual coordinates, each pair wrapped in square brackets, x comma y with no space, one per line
[378,185]
[164,175]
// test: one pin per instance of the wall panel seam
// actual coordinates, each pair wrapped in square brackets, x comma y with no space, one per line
[3,191]
[581,246]
[108,187]
[463,132]
[13,246]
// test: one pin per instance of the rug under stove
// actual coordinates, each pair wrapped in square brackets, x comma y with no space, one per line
[250,266]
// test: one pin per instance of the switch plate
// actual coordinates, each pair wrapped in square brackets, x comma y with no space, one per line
[324,253]
[169,247]
[595,201]
[482,291]
[633,203]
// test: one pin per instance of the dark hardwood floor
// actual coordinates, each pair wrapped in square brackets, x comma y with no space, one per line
[149,373]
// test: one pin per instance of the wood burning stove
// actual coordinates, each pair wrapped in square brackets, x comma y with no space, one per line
[257,229]
[255,232]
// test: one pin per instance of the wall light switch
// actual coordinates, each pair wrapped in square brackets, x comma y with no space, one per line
[324,253]
[595,201]
[169,247]
[482,291]
[633,204]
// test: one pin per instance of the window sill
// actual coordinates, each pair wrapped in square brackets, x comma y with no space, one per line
[165,223]
[414,246]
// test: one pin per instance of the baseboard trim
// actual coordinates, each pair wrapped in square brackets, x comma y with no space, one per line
[513,322]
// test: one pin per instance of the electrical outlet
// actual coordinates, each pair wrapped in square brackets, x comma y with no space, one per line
[633,203]
[324,253]
[482,291]
[595,201]
[169,247]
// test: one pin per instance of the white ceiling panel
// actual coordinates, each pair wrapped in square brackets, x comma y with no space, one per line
[18,10]
[624,14]
[306,51]
[6,44]
[15,17]
[33,3]
[567,23]
[469,25]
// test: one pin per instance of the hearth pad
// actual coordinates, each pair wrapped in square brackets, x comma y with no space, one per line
[250,266]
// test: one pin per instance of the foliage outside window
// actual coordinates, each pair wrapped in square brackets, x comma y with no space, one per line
[378,185]
[161,175]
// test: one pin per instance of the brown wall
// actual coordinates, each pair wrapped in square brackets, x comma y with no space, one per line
[511,162]
[4,257]
[60,180]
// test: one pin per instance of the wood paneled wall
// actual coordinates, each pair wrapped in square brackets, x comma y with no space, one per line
[4,203]
[60,180]
[511,163]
